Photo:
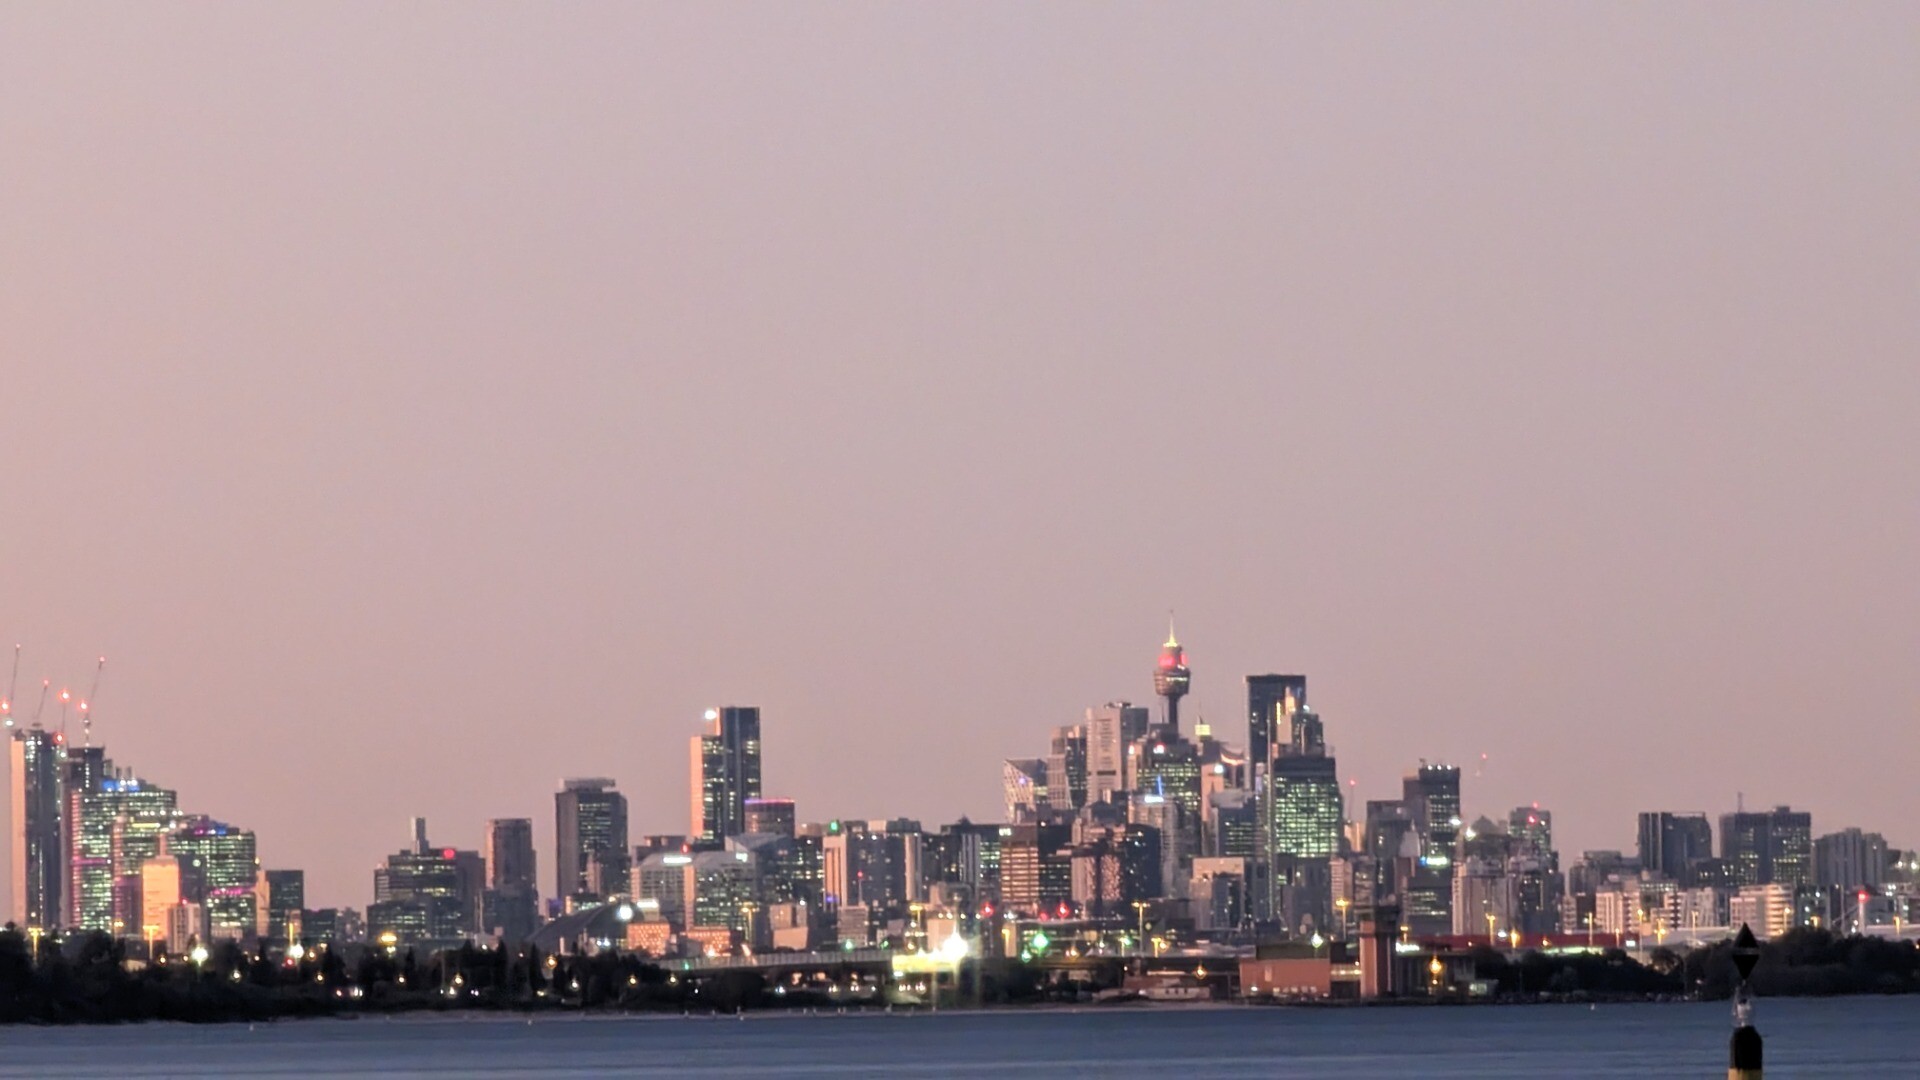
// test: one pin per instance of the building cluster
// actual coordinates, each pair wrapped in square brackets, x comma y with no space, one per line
[1132,831]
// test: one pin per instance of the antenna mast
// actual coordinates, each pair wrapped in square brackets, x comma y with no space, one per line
[86,703]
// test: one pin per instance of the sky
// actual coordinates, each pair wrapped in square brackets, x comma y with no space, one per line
[419,404]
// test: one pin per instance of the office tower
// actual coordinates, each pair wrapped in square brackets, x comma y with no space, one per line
[221,862]
[590,825]
[662,885]
[112,827]
[1111,730]
[509,854]
[286,899]
[1171,678]
[1850,860]
[1023,786]
[1534,828]
[431,896]
[1768,847]
[160,891]
[773,816]
[725,772]
[1036,868]
[39,859]
[1432,795]
[510,906]
[1272,701]
[967,854]
[1303,815]
[1067,768]
[1671,844]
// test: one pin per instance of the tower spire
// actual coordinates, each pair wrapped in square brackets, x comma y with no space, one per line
[1172,642]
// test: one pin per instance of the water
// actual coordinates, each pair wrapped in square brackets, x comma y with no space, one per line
[1834,1037]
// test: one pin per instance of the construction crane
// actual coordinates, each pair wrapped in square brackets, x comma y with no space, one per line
[86,703]
[66,698]
[6,703]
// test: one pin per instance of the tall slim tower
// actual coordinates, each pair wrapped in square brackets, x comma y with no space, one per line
[1171,676]
[725,772]
[39,858]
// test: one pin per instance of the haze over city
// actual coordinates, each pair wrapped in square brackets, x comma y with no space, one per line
[418,410]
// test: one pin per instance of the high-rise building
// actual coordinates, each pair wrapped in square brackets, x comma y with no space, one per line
[39,858]
[725,772]
[590,826]
[1768,847]
[1272,701]
[1171,677]
[1849,860]
[431,896]
[1023,786]
[1671,844]
[1111,730]
[1432,795]
[772,816]
[509,854]
[1067,768]
[286,899]
[160,891]
[510,906]
[221,864]
[1533,827]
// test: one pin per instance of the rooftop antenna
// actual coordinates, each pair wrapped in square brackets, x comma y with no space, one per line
[6,703]
[86,703]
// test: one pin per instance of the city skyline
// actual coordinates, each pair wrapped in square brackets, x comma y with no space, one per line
[1275,699]
[421,409]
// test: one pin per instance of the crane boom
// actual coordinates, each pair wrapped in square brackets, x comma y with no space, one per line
[86,703]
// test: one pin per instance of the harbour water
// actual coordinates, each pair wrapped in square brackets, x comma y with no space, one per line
[1805,1038]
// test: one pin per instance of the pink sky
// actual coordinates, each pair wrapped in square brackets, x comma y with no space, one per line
[419,404]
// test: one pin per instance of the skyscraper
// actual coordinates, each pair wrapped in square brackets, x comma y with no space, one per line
[1432,796]
[725,772]
[1171,677]
[1671,843]
[39,859]
[1271,702]
[1067,768]
[1111,729]
[510,905]
[590,826]
[1768,847]
[1303,819]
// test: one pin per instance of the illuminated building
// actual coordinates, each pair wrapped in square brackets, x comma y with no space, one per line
[286,899]
[664,882]
[1271,702]
[1768,847]
[725,772]
[1036,868]
[770,816]
[966,854]
[39,857]
[1023,784]
[1432,796]
[221,863]
[1533,827]
[1171,678]
[160,891]
[590,820]
[428,895]
[1066,769]
[112,828]
[726,890]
